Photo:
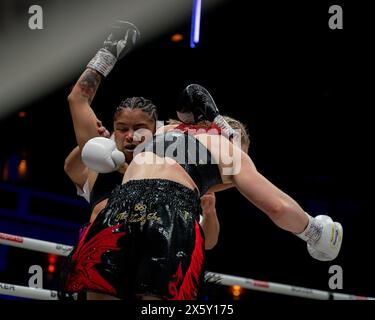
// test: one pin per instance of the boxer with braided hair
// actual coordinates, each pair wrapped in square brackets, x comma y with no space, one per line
[152,244]
[134,120]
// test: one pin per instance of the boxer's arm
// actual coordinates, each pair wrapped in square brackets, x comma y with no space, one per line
[84,118]
[322,234]
[221,187]
[119,42]
[209,223]
[280,208]
[75,168]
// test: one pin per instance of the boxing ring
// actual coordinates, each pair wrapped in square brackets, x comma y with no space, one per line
[212,277]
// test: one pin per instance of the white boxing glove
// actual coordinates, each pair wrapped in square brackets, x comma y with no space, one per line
[101,155]
[323,237]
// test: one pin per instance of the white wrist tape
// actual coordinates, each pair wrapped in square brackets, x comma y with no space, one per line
[103,62]
[228,131]
[313,231]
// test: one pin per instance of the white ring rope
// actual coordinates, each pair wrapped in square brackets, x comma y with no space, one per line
[218,278]
[27,292]
[35,245]
[285,289]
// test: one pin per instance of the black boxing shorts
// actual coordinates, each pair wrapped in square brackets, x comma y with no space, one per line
[147,241]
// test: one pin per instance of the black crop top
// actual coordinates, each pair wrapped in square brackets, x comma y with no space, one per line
[190,154]
[103,186]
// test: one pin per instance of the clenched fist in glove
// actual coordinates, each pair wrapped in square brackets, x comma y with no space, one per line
[197,104]
[121,40]
[101,155]
[323,237]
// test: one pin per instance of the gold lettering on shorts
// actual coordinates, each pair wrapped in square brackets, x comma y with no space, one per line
[153,216]
[142,218]
[138,217]
[121,216]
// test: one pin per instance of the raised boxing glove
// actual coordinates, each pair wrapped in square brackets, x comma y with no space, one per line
[120,41]
[196,104]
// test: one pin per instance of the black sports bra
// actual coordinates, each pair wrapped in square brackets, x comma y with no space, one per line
[190,154]
[103,186]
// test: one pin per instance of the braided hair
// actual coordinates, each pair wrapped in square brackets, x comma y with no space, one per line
[138,103]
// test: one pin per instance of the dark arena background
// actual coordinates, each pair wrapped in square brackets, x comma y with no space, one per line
[304,91]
